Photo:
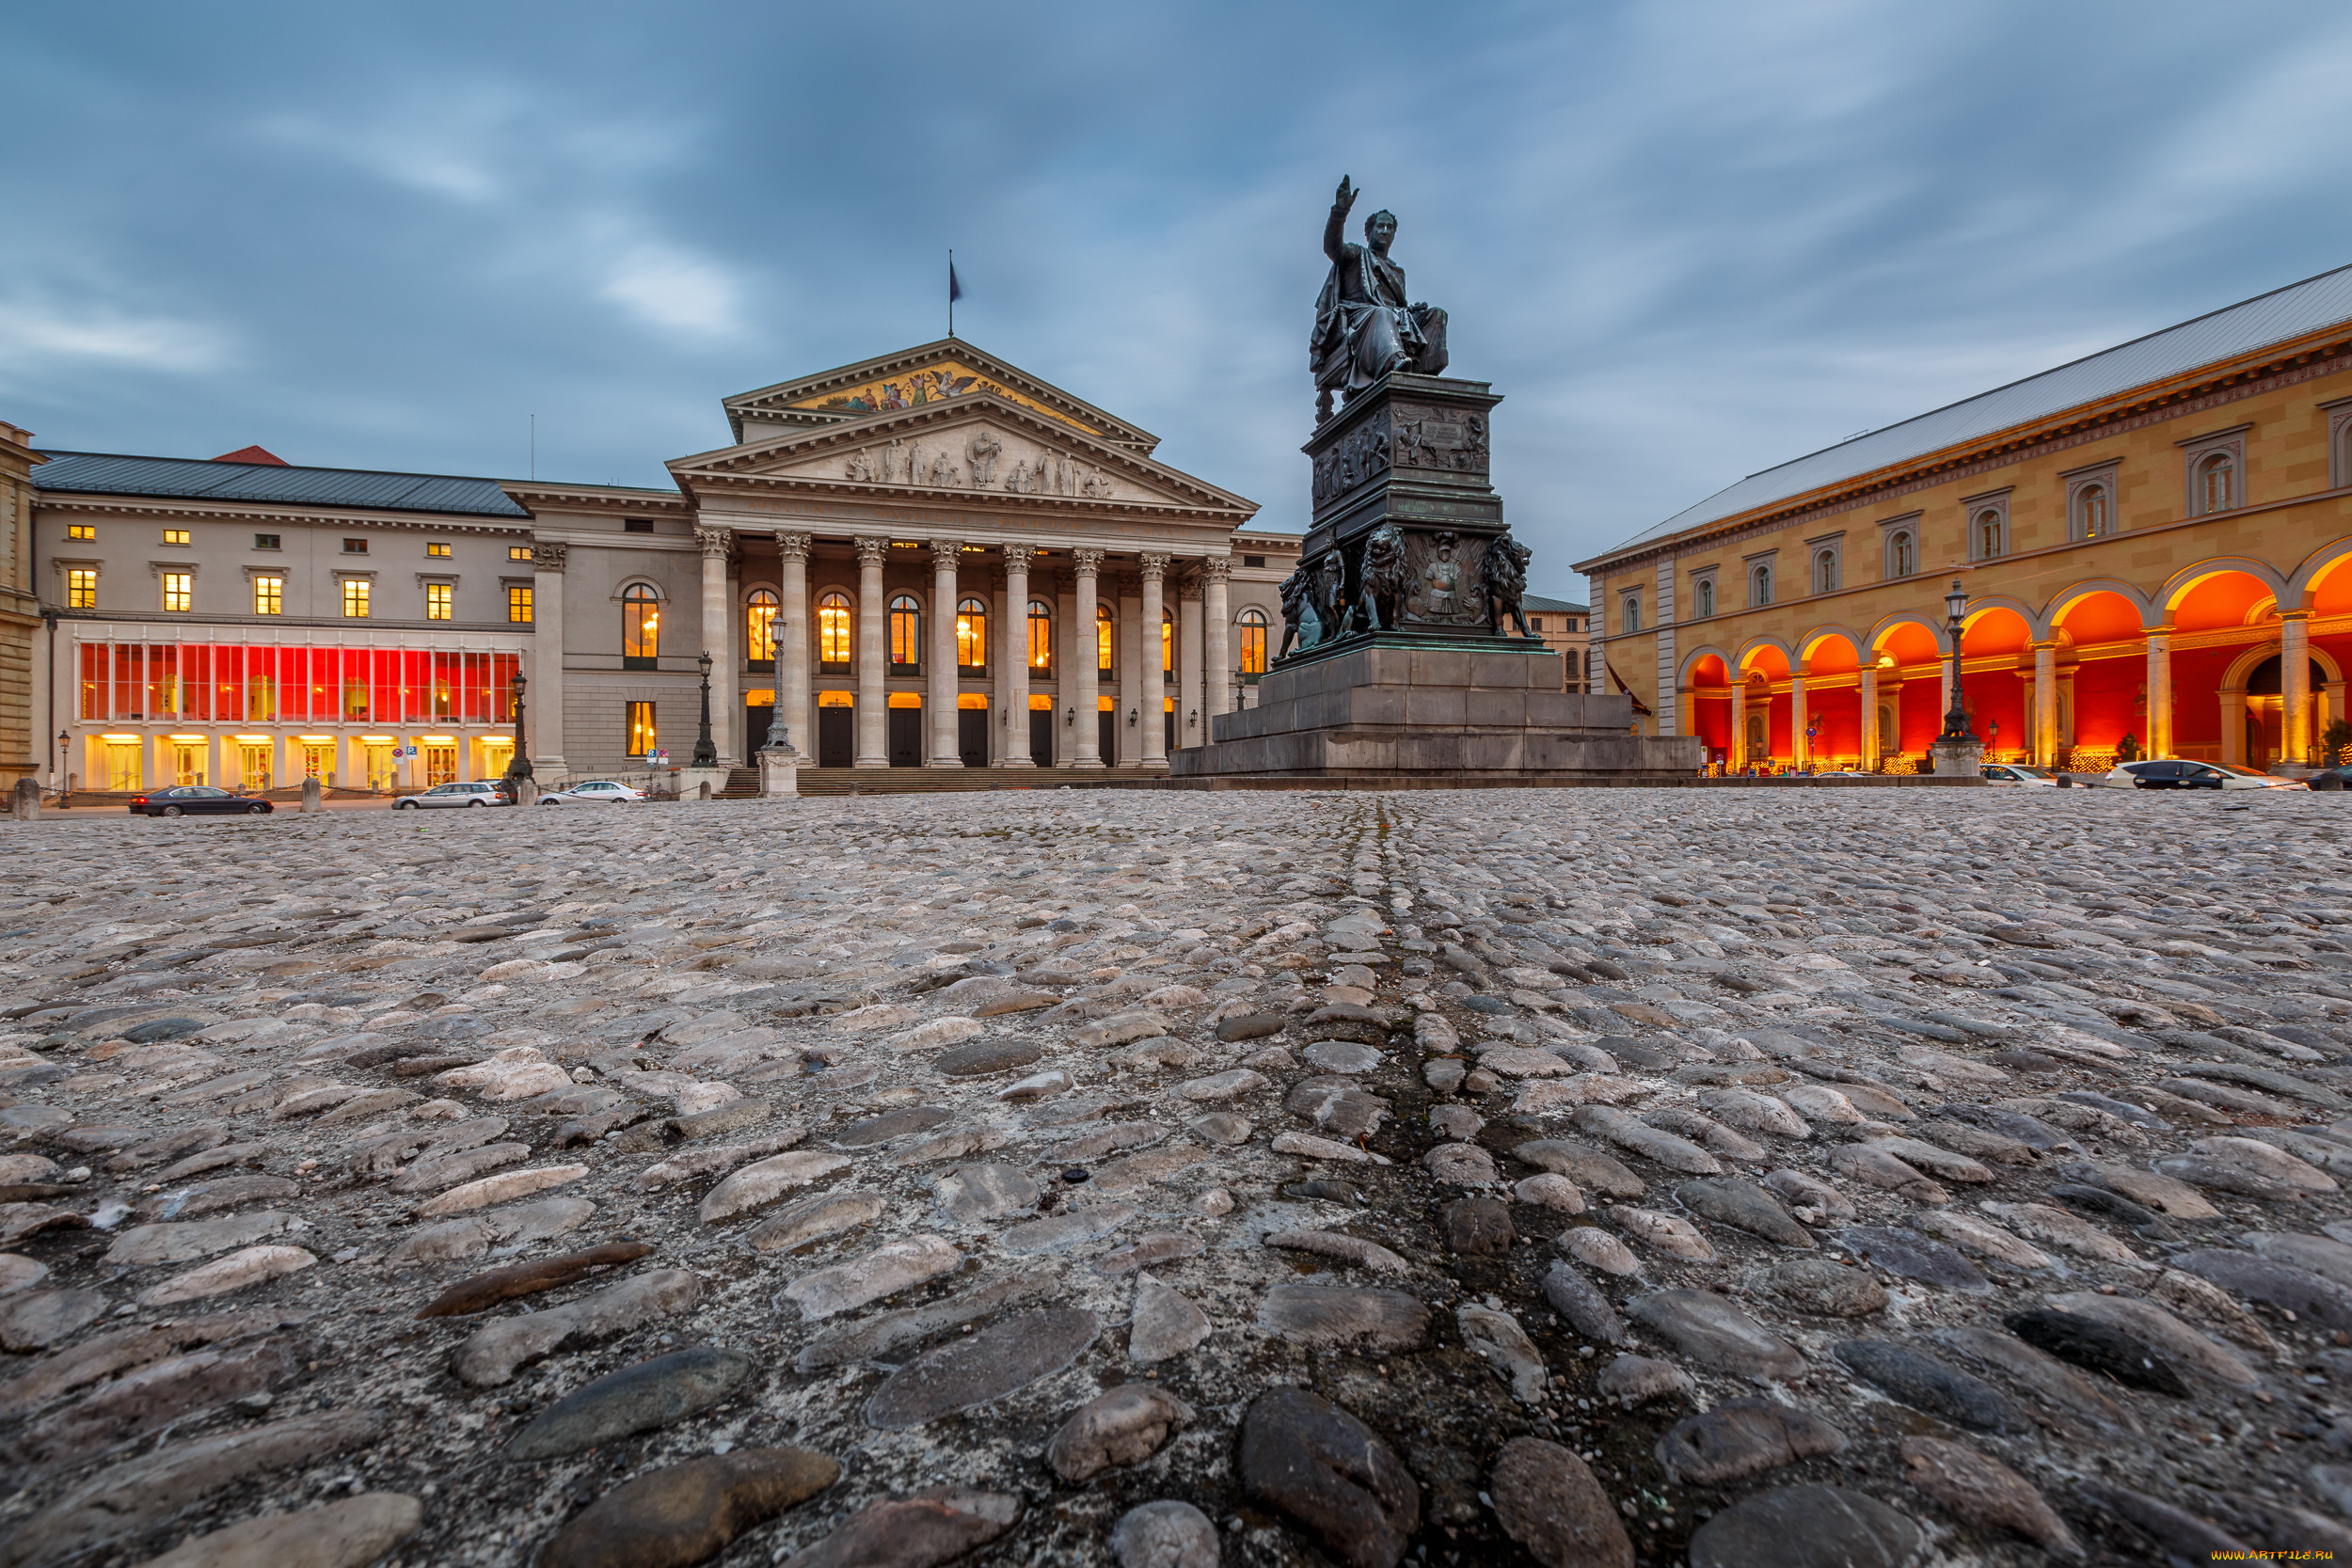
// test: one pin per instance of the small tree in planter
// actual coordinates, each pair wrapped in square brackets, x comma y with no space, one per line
[2127,749]
[2335,744]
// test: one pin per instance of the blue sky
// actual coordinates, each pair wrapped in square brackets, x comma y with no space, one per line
[1687,241]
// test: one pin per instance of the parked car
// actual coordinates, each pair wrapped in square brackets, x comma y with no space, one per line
[595,791]
[1843,773]
[473,792]
[2333,778]
[2018,773]
[196,800]
[2181,773]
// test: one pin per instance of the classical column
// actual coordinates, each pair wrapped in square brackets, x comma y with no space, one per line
[1871,740]
[724,698]
[873,658]
[1219,611]
[1736,752]
[2045,725]
[1080,683]
[1013,681]
[1150,710]
[546,661]
[1798,745]
[1191,704]
[791,641]
[2295,688]
[945,555]
[2157,742]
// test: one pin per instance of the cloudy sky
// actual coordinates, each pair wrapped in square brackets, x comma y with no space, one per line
[1686,240]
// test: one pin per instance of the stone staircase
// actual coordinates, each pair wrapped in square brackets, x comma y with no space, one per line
[743,785]
[933,780]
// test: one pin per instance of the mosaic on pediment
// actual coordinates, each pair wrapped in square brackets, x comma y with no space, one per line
[919,389]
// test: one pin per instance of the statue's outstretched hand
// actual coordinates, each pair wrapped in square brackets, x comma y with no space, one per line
[1346,198]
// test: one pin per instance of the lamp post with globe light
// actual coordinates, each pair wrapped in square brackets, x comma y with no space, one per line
[518,765]
[705,750]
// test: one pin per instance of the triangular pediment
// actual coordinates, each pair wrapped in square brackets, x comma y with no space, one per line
[915,378]
[968,447]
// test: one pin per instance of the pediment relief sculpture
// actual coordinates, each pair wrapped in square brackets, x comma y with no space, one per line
[973,457]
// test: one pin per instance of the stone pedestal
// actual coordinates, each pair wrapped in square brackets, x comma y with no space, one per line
[1958,759]
[25,804]
[311,802]
[779,772]
[698,784]
[1399,708]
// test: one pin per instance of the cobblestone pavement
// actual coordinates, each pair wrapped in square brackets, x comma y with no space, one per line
[1580,1178]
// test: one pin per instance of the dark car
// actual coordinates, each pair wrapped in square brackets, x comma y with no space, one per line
[196,800]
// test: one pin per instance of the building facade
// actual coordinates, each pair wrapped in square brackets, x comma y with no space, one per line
[927,559]
[1566,627]
[2155,545]
[23,740]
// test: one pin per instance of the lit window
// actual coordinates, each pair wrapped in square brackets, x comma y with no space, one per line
[355,547]
[834,627]
[641,628]
[1167,646]
[518,605]
[81,530]
[1105,623]
[760,626]
[1252,624]
[972,635]
[175,536]
[519,552]
[265,541]
[2216,483]
[1760,584]
[641,741]
[2090,512]
[178,591]
[906,636]
[356,597]
[441,601]
[269,595]
[439,552]
[81,588]
[1041,635]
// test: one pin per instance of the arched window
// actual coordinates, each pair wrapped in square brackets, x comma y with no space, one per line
[972,635]
[641,628]
[2090,512]
[1040,636]
[1703,599]
[834,628]
[1252,623]
[1167,646]
[759,628]
[2216,483]
[1903,553]
[1991,534]
[1760,584]
[906,636]
[1104,626]
[1825,571]
[1630,612]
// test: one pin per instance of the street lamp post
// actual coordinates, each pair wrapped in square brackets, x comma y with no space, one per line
[518,765]
[705,750]
[1956,716]
[65,743]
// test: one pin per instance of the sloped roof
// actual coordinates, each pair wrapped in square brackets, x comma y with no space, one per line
[1555,607]
[96,473]
[252,455]
[2274,317]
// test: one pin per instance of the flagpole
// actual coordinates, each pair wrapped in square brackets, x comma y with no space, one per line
[951,291]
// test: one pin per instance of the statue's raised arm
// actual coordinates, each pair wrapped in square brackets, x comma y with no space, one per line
[1365,325]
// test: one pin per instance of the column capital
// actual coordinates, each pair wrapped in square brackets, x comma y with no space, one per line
[548,556]
[872,552]
[946,552]
[2286,615]
[1086,563]
[1216,568]
[1153,565]
[714,541]
[1017,557]
[793,546]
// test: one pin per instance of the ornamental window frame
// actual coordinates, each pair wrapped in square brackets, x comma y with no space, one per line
[77,583]
[1761,573]
[641,601]
[2091,492]
[1707,599]
[903,633]
[1986,522]
[1630,612]
[1897,535]
[2339,412]
[836,630]
[2201,456]
[759,630]
[1825,562]
[1250,646]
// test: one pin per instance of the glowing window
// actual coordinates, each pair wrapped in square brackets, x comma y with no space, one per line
[81,588]
[1041,635]
[640,623]
[80,530]
[759,626]
[906,636]
[972,635]
[356,591]
[641,738]
[1167,646]
[269,595]
[1104,625]
[519,552]
[439,552]
[519,603]
[441,601]
[178,591]
[833,630]
[175,536]
[1252,623]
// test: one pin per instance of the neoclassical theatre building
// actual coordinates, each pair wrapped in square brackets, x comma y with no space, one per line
[927,559]
[2155,545]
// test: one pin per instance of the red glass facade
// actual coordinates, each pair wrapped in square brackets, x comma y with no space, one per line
[229,683]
